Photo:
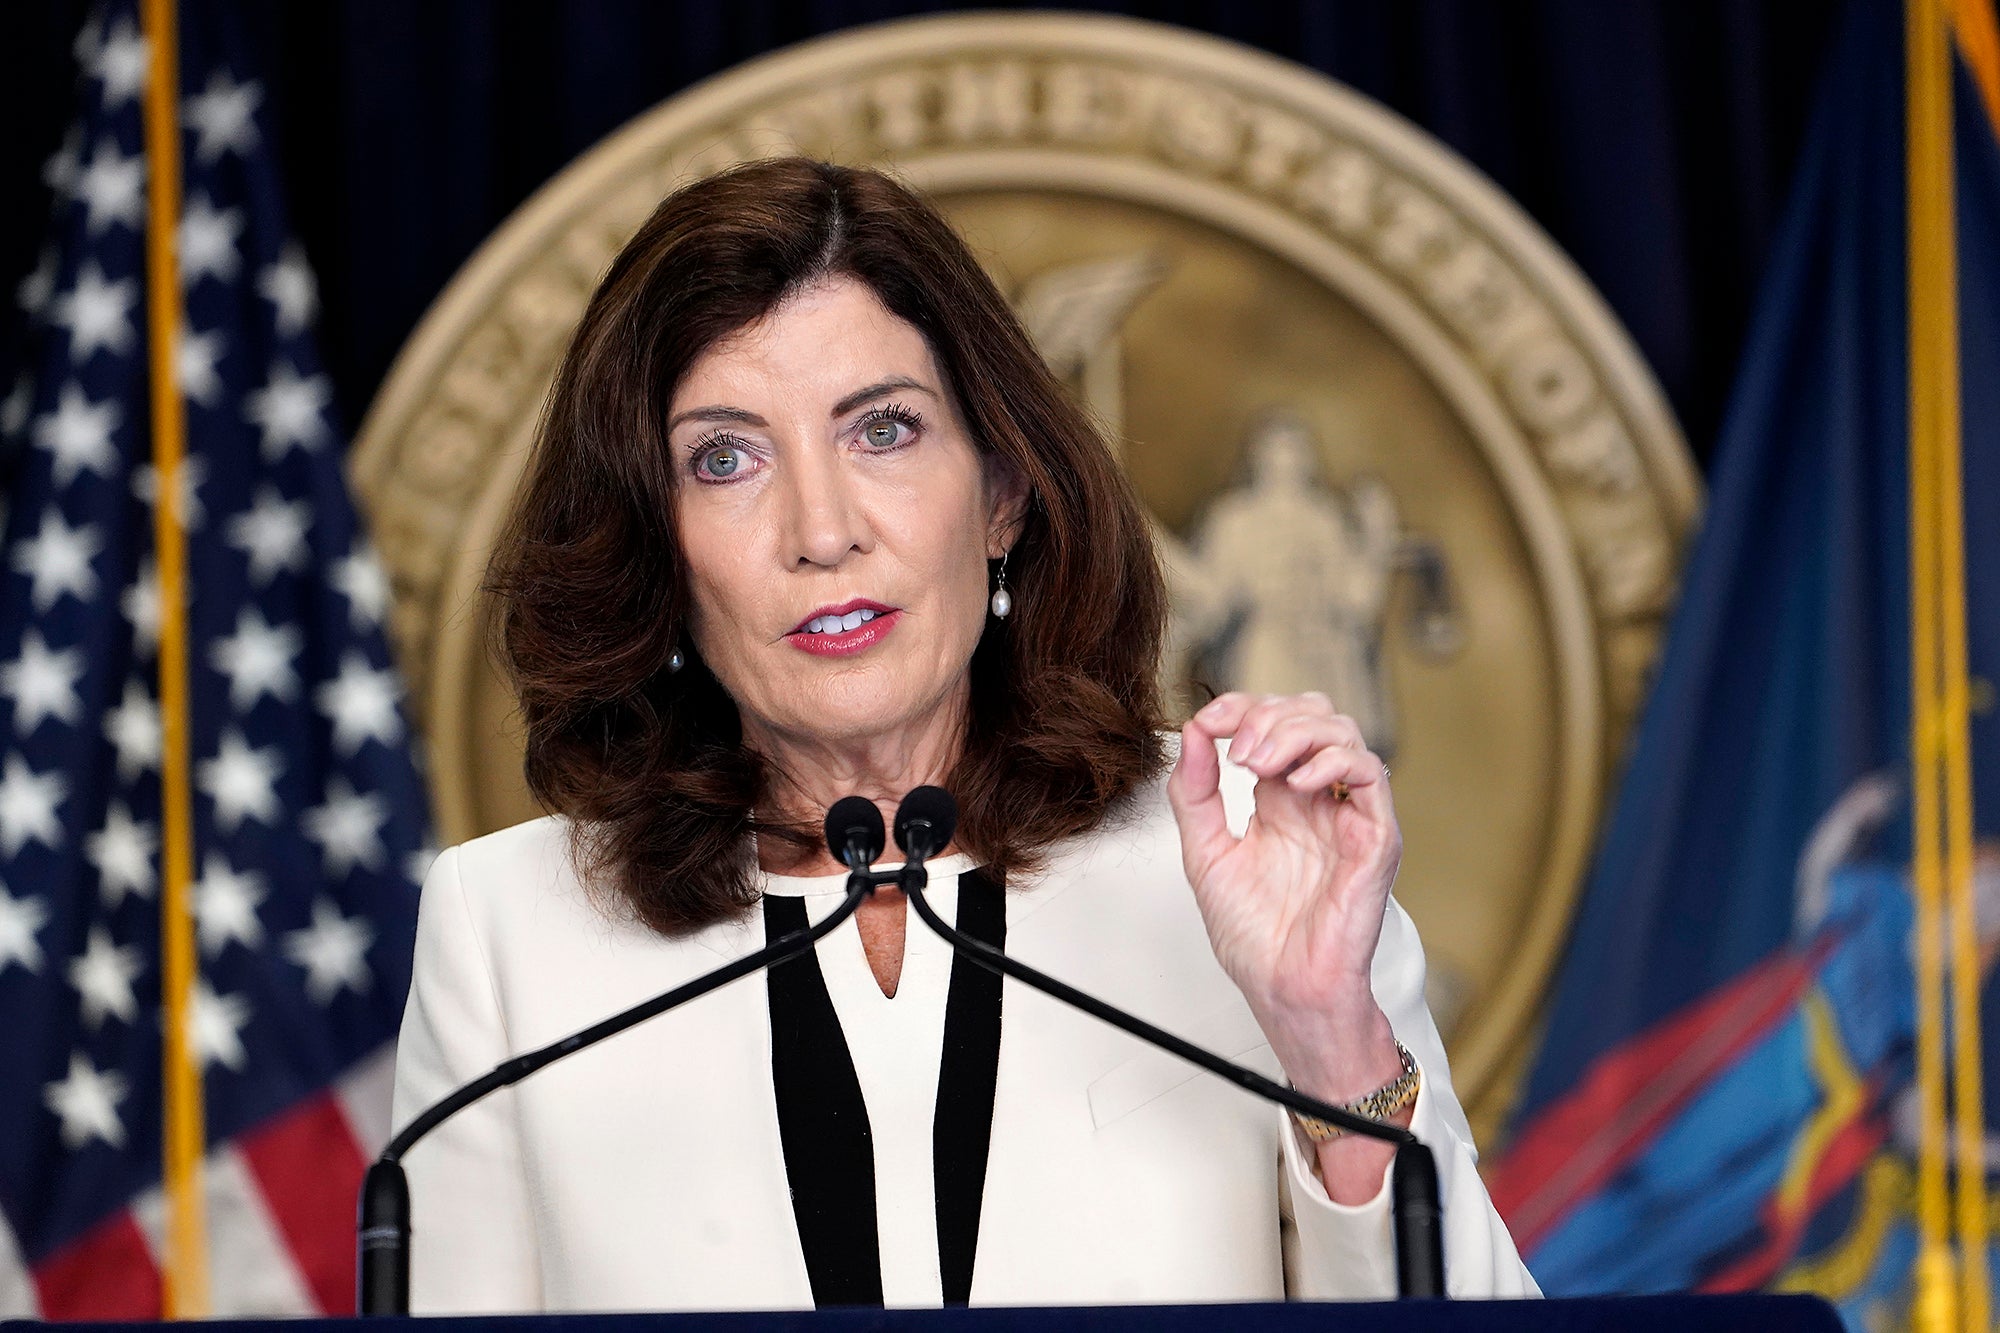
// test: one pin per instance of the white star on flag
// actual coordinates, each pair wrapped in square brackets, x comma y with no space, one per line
[60,172]
[20,920]
[78,434]
[119,62]
[112,188]
[208,237]
[289,286]
[28,802]
[258,659]
[360,579]
[289,410]
[42,684]
[222,117]
[122,851]
[87,1103]
[192,473]
[39,287]
[20,402]
[97,313]
[333,950]
[272,533]
[215,1027]
[241,781]
[57,561]
[361,704]
[141,605]
[195,365]
[418,867]
[348,828]
[133,728]
[103,975]
[225,905]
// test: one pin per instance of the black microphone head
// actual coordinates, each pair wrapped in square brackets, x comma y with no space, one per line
[854,820]
[930,816]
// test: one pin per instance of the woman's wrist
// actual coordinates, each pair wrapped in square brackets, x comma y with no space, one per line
[1340,1055]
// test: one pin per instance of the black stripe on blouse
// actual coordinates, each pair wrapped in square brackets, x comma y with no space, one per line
[962,1129]
[823,1120]
[822,1125]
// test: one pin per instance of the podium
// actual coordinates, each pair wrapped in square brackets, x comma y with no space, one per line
[1625,1314]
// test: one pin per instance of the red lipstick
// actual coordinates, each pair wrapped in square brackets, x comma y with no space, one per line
[853,626]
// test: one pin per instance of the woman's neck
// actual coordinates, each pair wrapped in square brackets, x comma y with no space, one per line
[810,773]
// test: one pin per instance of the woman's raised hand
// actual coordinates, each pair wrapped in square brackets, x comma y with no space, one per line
[1294,907]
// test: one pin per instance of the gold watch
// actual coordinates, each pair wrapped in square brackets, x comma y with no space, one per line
[1380,1104]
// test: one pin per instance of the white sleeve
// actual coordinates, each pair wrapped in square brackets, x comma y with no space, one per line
[1347,1252]
[472,1248]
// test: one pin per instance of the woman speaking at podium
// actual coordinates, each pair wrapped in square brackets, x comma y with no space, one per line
[807,516]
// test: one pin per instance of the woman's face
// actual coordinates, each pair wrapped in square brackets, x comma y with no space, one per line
[835,518]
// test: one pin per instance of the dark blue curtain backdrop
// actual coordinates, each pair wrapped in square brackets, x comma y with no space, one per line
[1653,138]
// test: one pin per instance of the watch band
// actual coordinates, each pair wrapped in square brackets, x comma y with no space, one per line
[1380,1104]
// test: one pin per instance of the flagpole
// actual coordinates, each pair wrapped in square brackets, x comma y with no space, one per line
[1935,1281]
[185,1269]
[1941,704]
[1954,694]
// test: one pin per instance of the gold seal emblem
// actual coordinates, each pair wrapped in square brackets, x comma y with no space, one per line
[1397,448]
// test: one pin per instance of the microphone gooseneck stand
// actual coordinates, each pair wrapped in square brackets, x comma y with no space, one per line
[854,832]
[924,825]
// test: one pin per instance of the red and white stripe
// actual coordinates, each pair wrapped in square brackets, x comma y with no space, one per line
[280,1221]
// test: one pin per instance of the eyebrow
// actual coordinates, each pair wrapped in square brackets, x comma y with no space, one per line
[723,412]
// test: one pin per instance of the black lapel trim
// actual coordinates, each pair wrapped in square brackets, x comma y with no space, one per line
[823,1125]
[962,1129]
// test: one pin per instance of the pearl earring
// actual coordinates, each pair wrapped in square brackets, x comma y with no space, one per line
[1003,601]
[675,661]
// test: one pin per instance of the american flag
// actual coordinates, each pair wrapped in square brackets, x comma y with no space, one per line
[310,817]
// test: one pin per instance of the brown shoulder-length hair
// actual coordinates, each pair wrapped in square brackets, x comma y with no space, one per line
[591,593]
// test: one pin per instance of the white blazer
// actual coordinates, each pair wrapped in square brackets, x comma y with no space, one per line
[647,1173]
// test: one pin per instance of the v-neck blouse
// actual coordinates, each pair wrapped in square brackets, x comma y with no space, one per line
[894,1043]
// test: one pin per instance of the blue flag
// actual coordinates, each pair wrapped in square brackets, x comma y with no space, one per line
[1723,1098]
[309,814]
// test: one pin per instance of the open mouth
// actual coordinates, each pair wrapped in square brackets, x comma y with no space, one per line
[851,627]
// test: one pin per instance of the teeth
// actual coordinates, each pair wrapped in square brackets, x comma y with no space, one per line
[839,624]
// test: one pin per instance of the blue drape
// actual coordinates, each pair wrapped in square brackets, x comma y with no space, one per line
[1653,138]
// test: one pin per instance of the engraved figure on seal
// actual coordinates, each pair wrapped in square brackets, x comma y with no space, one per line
[1309,571]
[1286,585]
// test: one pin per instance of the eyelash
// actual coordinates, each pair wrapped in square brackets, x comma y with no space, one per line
[904,416]
[896,412]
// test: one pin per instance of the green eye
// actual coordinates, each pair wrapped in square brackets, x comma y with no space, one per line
[883,433]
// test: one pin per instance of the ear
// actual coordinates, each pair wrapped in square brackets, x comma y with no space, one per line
[1007,505]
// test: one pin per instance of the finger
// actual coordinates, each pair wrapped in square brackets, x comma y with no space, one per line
[1294,739]
[1339,763]
[1194,790]
[1220,716]
[1257,722]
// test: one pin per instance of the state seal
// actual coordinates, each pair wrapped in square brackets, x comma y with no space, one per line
[1395,446]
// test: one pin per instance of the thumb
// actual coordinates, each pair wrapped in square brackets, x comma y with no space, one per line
[1194,790]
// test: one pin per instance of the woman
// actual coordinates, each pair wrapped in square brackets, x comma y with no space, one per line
[808,517]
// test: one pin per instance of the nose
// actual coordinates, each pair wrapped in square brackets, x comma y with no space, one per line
[826,518]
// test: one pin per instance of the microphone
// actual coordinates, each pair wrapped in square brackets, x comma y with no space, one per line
[924,824]
[854,831]
[382,1233]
